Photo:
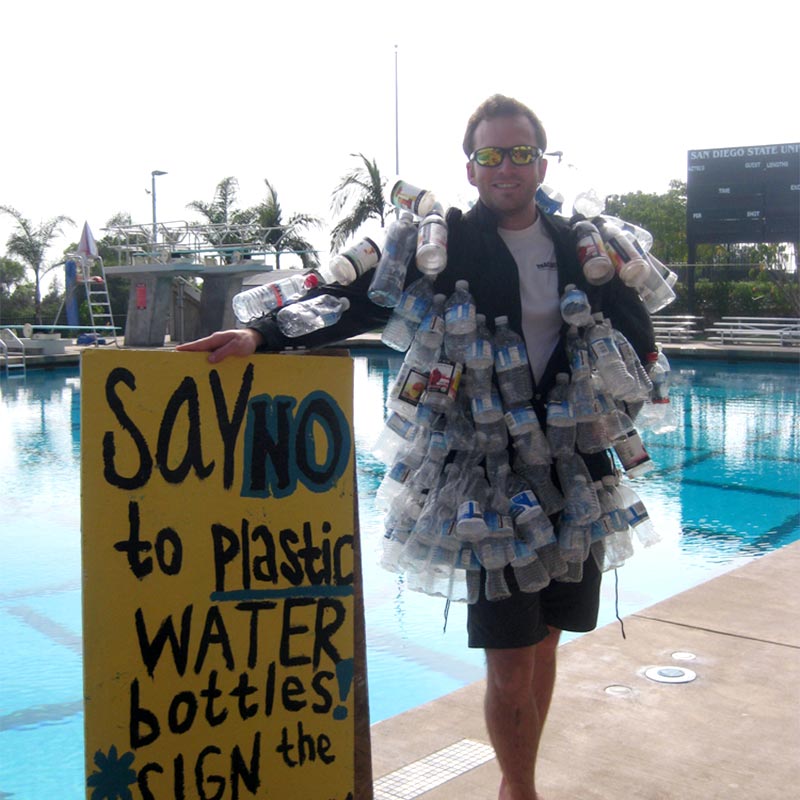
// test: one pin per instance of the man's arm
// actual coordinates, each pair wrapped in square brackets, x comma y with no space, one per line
[238,342]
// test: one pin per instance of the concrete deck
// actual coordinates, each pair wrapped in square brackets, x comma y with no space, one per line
[733,732]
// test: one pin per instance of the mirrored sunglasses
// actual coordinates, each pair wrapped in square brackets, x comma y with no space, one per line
[521,155]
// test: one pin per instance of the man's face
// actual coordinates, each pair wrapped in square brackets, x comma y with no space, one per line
[507,189]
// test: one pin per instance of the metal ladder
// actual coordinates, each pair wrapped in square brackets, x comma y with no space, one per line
[98,301]
[12,351]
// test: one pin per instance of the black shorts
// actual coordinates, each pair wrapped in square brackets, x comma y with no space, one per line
[523,619]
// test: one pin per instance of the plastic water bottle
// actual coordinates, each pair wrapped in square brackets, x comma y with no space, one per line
[643,384]
[490,426]
[529,440]
[654,290]
[530,522]
[305,316]
[561,427]
[608,360]
[470,524]
[351,263]
[575,307]
[550,200]
[255,303]
[539,476]
[408,197]
[637,516]
[582,393]
[631,451]
[588,204]
[427,343]
[511,365]
[479,360]
[660,415]
[594,260]
[460,323]
[577,485]
[397,434]
[433,463]
[390,274]
[630,265]
[432,242]
[442,387]
[408,313]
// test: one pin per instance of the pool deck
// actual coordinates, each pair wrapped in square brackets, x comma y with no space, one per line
[732,733]
[693,349]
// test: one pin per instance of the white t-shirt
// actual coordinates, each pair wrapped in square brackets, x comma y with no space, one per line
[535,255]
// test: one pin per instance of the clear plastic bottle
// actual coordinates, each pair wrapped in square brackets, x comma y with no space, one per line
[634,366]
[588,204]
[397,434]
[351,263]
[608,360]
[576,483]
[511,365]
[259,301]
[583,402]
[655,291]
[479,360]
[432,242]
[470,523]
[575,307]
[561,427]
[661,414]
[433,463]
[530,522]
[408,197]
[490,426]
[413,305]
[427,343]
[460,322]
[443,383]
[594,260]
[529,440]
[631,451]
[387,283]
[637,516]
[305,316]
[630,265]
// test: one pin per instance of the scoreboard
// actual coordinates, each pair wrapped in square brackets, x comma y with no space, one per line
[743,194]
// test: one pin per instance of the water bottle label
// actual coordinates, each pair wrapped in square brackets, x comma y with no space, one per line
[459,313]
[363,256]
[399,425]
[630,450]
[410,385]
[399,472]
[603,347]
[523,503]
[497,521]
[559,410]
[510,356]
[432,231]
[589,246]
[636,514]
[469,509]
[487,402]
[521,419]
[412,307]
[445,378]
[432,323]
[580,361]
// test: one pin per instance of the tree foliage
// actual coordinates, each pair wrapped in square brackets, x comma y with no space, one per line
[362,189]
[30,243]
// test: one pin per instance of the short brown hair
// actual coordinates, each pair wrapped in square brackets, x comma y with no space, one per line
[499,105]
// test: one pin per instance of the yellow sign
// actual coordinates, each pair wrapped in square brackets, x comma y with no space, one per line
[218,532]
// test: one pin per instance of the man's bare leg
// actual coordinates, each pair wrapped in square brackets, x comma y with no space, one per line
[519,688]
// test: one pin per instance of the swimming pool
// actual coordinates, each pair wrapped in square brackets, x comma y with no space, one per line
[726,491]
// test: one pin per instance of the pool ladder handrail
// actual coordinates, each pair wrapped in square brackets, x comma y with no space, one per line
[12,350]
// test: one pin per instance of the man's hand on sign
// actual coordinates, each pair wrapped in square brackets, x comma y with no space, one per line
[236,342]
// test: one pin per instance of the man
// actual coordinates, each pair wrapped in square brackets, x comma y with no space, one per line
[517,261]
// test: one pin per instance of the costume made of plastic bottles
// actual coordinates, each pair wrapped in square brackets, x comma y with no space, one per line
[469,492]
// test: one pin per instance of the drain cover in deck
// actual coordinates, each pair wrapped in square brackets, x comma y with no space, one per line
[670,674]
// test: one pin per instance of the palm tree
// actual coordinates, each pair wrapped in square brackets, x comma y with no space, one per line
[220,213]
[363,188]
[30,243]
[283,236]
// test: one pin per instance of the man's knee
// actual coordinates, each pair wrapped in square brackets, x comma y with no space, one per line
[510,671]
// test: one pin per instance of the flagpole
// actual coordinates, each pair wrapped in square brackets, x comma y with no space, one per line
[396,120]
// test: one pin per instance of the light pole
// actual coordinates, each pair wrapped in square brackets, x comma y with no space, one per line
[153,175]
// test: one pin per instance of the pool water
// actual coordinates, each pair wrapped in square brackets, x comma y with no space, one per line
[726,491]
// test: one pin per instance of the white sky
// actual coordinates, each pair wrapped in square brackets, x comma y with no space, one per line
[97,95]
